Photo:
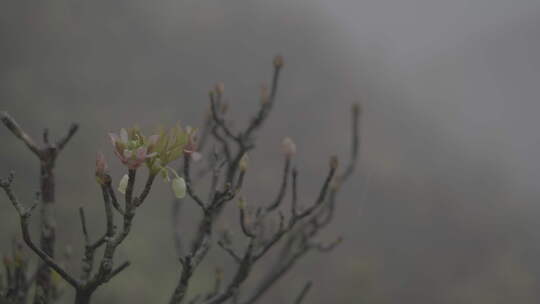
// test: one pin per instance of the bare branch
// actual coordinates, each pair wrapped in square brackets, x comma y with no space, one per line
[267,105]
[128,196]
[112,195]
[89,248]
[322,212]
[82,217]
[205,131]
[24,215]
[224,144]
[218,120]
[302,227]
[327,247]
[323,192]
[243,222]
[119,269]
[62,142]
[303,293]
[46,136]
[187,177]
[14,127]
[283,188]
[147,187]
[356,111]
[229,250]
[294,202]
[109,217]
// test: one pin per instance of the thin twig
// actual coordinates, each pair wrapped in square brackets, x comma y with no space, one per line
[14,127]
[303,293]
[283,187]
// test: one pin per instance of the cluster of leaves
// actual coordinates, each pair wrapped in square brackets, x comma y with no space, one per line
[156,151]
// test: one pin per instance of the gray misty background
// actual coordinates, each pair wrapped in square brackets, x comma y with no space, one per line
[445,206]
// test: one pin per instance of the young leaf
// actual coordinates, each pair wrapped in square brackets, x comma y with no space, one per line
[179,187]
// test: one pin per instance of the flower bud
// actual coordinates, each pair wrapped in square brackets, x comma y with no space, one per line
[278,61]
[101,168]
[191,145]
[288,146]
[130,147]
[178,186]
[219,88]
[334,162]
[122,186]
[243,163]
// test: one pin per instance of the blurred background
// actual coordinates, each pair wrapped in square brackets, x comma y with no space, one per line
[444,207]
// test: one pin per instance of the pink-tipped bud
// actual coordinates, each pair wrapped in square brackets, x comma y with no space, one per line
[101,163]
[278,61]
[334,162]
[101,168]
[191,145]
[219,88]
[288,146]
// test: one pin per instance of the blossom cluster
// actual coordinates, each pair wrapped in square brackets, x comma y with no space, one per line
[134,149]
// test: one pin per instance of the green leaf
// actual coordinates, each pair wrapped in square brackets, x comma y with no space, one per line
[123,184]
[179,187]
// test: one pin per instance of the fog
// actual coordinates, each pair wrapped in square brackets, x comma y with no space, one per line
[444,205]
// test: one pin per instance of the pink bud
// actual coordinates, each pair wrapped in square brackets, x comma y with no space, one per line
[101,163]
[288,146]
[278,61]
[114,138]
[101,168]
[220,88]
[334,162]
[191,145]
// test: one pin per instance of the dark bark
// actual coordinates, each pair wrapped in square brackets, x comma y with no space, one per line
[44,287]
[83,296]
